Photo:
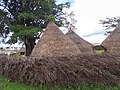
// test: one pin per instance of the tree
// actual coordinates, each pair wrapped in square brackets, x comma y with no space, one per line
[109,23]
[3,26]
[69,21]
[27,18]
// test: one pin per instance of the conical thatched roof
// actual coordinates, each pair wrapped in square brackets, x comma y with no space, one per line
[54,43]
[84,46]
[112,42]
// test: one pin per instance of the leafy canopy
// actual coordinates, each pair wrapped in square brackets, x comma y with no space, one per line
[26,18]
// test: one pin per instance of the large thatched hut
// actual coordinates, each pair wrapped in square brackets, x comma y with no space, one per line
[112,42]
[84,46]
[54,43]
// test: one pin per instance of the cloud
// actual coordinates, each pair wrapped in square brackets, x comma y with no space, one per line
[89,12]
[96,38]
[64,1]
[96,33]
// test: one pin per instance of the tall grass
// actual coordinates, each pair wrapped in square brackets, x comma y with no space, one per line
[6,85]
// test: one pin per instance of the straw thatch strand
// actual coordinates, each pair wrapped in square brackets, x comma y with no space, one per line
[112,42]
[54,43]
[3,61]
[84,46]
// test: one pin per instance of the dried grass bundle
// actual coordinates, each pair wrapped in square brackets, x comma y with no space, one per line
[89,69]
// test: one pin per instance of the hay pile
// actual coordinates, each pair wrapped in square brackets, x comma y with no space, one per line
[54,43]
[112,42]
[84,46]
[74,70]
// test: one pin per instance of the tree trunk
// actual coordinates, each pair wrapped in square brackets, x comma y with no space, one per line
[29,46]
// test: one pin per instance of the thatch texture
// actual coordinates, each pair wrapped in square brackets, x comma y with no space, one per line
[84,46]
[54,43]
[3,61]
[112,42]
[74,70]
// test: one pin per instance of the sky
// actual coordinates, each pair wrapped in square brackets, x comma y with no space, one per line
[88,13]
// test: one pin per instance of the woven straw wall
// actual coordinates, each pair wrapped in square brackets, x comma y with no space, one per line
[74,70]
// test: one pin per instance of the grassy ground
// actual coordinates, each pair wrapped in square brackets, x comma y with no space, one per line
[5,85]
[99,51]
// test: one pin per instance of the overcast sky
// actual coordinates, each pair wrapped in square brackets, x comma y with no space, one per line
[89,12]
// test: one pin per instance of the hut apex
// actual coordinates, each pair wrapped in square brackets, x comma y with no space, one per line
[84,46]
[54,43]
[112,42]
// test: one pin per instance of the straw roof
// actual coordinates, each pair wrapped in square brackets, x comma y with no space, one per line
[84,46]
[54,43]
[112,42]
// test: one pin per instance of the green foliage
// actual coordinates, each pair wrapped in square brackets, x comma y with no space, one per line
[26,18]
[26,15]
[50,18]
[22,32]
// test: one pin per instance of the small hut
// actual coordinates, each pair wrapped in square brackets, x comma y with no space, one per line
[99,49]
[54,43]
[112,42]
[84,46]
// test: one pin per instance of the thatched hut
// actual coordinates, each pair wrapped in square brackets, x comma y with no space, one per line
[84,46]
[54,43]
[99,49]
[112,42]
